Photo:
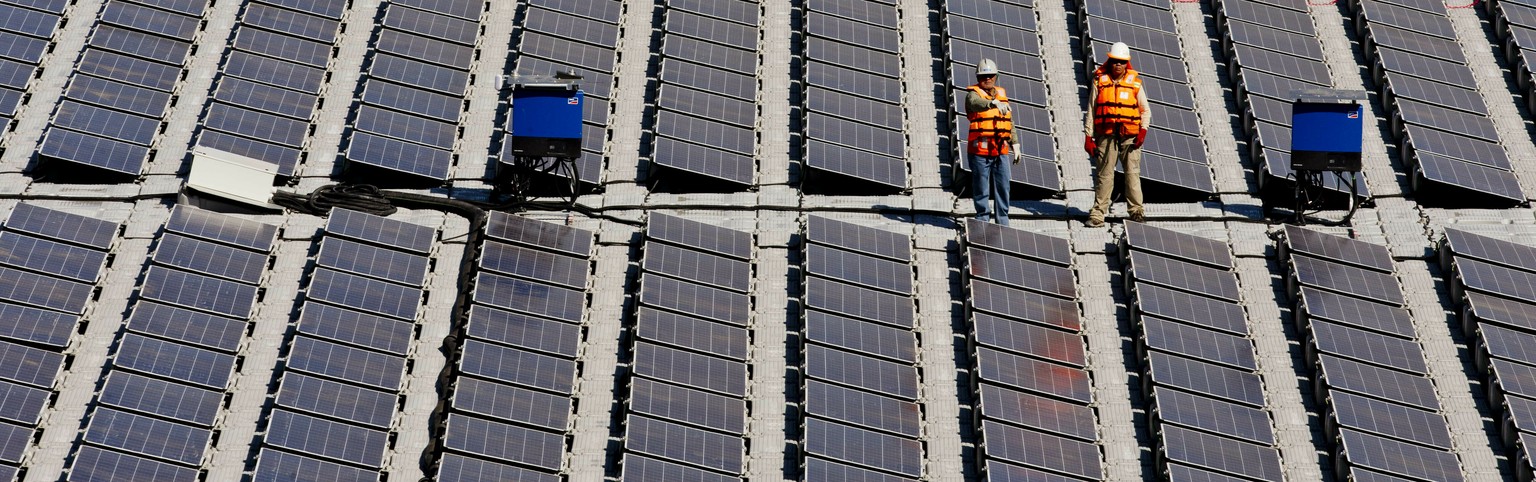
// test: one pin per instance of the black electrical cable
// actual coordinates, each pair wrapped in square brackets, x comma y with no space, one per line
[356,197]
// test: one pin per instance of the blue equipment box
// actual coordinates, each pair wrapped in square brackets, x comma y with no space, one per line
[1326,130]
[546,119]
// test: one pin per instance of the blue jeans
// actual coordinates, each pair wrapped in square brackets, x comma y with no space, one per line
[990,178]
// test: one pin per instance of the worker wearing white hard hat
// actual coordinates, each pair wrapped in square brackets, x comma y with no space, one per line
[1116,128]
[989,141]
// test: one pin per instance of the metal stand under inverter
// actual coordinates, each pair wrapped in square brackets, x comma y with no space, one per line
[1326,133]
[545,133]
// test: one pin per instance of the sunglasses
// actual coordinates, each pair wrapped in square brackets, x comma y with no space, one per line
[1117,62]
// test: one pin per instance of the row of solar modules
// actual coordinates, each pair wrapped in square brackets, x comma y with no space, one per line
[1005,33]
[1273,52]
[1031,386]
[1494,282]
[1448,139]
[26,33]
[1174,153]
[853,121]
[346,362]
[50,263]
[580,36]
[512,395]
[707,100]
[122,85]
[1515,23]
[160,399]
[272,77]
[1383,415]
[417,74]
[687,409]
[861,416]
[1209,413]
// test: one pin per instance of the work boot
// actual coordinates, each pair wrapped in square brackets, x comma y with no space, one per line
[1094,223]
[1139,217]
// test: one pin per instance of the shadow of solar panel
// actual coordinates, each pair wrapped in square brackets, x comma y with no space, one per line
[858,268]
[171,400]
[98,465]
[338,400]
[279,466]
[267,70]
[523,230]
[1179,245]
[1489,309]
[151,20]
[22,404]
[1024,305]
[699,235]
[286,158]
[1016,37]
[210,258]
[861,408]
[851,300]
[325,438]
[1154,41]
[1372,285]
[860,336]
[365,294]
[28,365]
[1041,450]
[1036,412]
[1390,419]
[863,447]
[819,50]
[1207,345]
[346,363]
[1205,378]
[1018,242]
[291,22]
[175,361]
[1220,453]
[1389,455]
[1021,272]
[695,299]
[517,366]
[458,468]
[134,42]
[692,333]
[688,406]
[504,442]
[1393,385]
[14,441]
[637,467]
[691,369]
[524,331]
[511,403]
[864,239]
[1033,375]
[194,327]
[684,444]
[147,436]
[368,260]
[1365,314]
[1194,411]
[94,151]
[51,257]
[1028,338]
[431,24]
[1368,346]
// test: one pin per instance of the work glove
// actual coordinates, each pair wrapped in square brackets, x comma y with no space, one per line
[1089,145]
[1016,153]
[1000,106]
[1141,138]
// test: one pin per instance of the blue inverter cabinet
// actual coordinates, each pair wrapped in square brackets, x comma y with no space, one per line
[1326,130]
[546,117]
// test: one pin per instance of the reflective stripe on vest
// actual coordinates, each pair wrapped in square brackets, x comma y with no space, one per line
[1116,106]
[991,131]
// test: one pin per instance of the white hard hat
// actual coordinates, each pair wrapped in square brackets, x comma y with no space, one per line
[986,67]
[1120,51]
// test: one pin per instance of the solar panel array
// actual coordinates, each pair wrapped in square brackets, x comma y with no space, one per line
[1515,24]
[160,399]
[851,65]
[1273,52]
[860,380]
[1174,155]
[972,31]
[572,35]
[1034,409]
[27,33]
[347,356]
[271,81]
[511,405]
[1447,137]
[122,85]
[1209,412]
[687,410]
[1492,282]
[1383,413]
[416,76]
[706,103]
[60,256]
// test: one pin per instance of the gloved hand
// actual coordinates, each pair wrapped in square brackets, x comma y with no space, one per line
[1089,145]
[1016,153]
[1141,138]
[1000,106]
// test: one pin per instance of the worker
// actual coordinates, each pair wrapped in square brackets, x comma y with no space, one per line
[1117,125]
[990,142]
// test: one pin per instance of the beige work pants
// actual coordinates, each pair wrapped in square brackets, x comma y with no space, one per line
[1111,150]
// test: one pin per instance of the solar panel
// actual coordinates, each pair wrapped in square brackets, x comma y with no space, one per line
[54,6]
[365,294]
[1155,41]
[1019,242]
[199,292]
[431,24]
[1220,453]
[1033,375]
[397,155]
[858,268]
[511,403]
[1269,14]
[1390,419]
[1018,16]
[1194,342]
[529,297]
[1368,346]
[465,9]
[147,436]
[358,328]
[151,20]
[22,404]
[281,73]
[691,369]
[684,444]
[1464,243]
[1036,412]
[1179,245]
[517,366]
[504,442]
[861,164]
[1021,272]
[1434,92]
[860,336]
[864,239]
[740,12]
[863,447]
[1191,308]
[731,110]
[1358,312]
[338,400]
[993,31]
[1024,305]
[692,333]
[846,81]
[1003,471]
[390,265]
[851,300]
[346,363]
[695,299]
[881,14]
[1397,457]
[134,42]
[1512,377]
[1029,339]
[325,438]
[174,360]
[64,226]
[97,465]
[699,235]
[269,99]
[14,441]
[681,22]
[862,408]
[1378,382]
[303,51]
[108,123]
[1214,415]
[279,466]
[28,365]
[457,468]
[638,468]
[171,400]
[380,230]
[210,258]
[1206,378]
[51,257]
[1038,449]
[1471,176]
[523,230]
[524,331]
[1373,285]
[291,22]
[286,158]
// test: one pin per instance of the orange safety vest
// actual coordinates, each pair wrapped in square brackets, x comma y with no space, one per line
[1116,108]
[991,131]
